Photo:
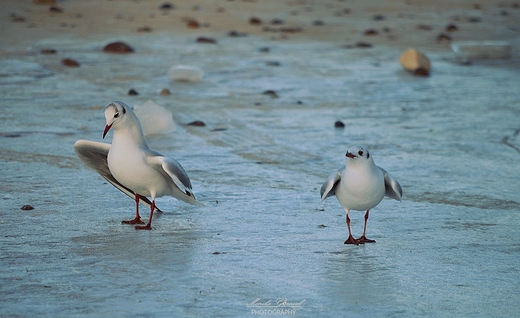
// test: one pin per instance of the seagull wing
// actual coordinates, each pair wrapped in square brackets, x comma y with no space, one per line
[181,182]
[392,187]
[328,188]
[94,155]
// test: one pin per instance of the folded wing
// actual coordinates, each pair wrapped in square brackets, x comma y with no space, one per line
[180,178]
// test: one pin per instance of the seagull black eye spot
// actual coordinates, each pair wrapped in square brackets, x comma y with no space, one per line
[116,115]
[360,152]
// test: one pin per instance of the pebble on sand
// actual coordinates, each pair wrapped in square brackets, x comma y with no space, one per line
[118,47]
[192,24]
[415,62]
[255,21]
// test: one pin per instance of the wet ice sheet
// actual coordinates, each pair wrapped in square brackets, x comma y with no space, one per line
[450,248]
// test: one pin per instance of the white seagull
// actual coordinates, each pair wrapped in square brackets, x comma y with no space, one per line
[131,166]
[360,186]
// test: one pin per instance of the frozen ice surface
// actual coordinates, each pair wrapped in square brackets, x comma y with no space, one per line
[450,248]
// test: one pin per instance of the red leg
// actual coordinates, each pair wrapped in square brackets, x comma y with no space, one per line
[148,226]
[351,239]
[137,219]
[363,239]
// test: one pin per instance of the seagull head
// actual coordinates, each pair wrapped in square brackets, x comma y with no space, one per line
[357,153]
[115,113]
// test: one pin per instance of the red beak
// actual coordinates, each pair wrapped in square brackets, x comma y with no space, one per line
[107,128]
[350,155]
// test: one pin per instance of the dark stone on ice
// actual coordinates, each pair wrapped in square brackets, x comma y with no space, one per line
[255,21]
[206,40]
[441,38]
[339,124]
[132,92]
[166,6]
[145,29]
[55,9]
[421,72]
[48,51]
[197,123]
[370,32]
[69,62]
[236,34]
[118,47]
[27,207]
[270,93]
[451,27]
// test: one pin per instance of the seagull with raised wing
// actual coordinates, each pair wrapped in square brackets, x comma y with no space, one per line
[131,166]
[360,186]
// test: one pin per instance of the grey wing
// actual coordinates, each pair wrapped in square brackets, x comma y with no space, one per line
[328,188]
[392,187]
[174,169]
[94,155]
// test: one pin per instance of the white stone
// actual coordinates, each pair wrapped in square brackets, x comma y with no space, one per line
[155,119]
[184,73]
[482,49]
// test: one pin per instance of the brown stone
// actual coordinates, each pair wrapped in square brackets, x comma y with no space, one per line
[197,123]
[44,2]
[70,62]
[255,21]
[165,92]
[118,47]
[207,40]
[370,32]
[192,24]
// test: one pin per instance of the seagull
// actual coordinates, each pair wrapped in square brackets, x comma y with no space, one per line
[131,166]
[360,186]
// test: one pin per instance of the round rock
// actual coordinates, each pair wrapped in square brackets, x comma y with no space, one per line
[413,60]
[118,47]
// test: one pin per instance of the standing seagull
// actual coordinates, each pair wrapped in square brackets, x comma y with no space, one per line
[360,186]
[131,166]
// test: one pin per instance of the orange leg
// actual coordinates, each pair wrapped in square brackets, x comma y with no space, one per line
[148,226]
[351,239]
[137,219]
[363,239]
